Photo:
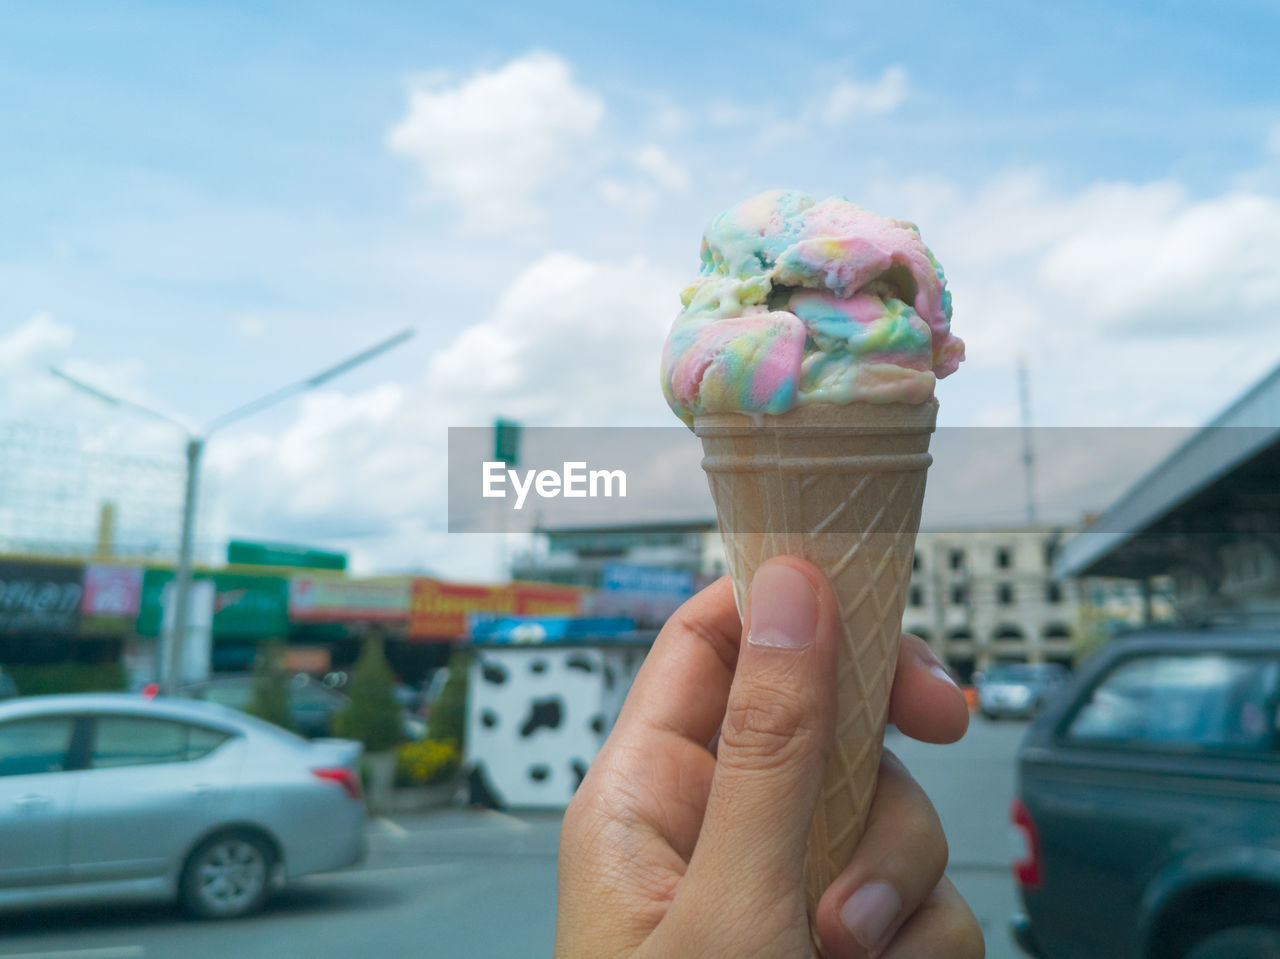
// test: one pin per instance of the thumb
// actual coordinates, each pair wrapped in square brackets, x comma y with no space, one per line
[774,742]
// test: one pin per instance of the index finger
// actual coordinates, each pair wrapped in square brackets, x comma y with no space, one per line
[683,686]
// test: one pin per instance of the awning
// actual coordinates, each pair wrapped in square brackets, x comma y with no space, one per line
[1222,482]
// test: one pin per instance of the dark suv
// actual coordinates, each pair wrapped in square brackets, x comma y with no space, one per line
[1149,804]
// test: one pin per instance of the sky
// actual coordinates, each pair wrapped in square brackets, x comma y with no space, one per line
[201,202]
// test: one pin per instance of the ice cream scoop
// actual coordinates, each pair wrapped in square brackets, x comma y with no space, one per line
[800,302]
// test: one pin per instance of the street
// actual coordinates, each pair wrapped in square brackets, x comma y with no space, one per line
[460,884]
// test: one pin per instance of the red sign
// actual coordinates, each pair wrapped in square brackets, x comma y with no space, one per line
[112,591]
[440,610]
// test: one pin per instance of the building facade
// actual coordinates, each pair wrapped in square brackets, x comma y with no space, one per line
[583,555]
[990,595]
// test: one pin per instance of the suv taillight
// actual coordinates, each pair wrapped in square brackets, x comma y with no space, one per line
[344,777]
[1026,868]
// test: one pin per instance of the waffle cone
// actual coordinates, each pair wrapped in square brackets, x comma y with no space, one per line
[840,486]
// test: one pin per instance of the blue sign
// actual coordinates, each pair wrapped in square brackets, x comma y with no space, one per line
[623,577]
[549,629]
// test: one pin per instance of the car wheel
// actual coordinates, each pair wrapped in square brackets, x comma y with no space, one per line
[227,876]
[1240,942]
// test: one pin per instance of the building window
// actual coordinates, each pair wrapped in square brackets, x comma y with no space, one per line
[916,596]
[1053,592]
[915,563]
[955,559]
[959,595]
[1050,552]
[1004,557]
[1004,594]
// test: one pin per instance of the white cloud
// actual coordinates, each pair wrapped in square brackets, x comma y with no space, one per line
[250,326]
[37,340]
[849,99]
[492,142]
[1194,265]
[571,342]
[628,195]
[655,171]
[661,168]
[1135,303]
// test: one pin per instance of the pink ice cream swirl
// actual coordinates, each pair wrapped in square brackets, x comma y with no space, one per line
[800,302]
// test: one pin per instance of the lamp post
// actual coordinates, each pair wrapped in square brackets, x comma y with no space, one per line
[171,661]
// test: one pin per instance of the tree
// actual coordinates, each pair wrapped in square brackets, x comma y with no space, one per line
[449,712]
[269,698]
[372,714]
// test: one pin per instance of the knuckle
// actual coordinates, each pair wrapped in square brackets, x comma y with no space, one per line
[766,727]
[968,939]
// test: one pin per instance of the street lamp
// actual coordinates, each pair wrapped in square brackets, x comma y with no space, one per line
[196,439]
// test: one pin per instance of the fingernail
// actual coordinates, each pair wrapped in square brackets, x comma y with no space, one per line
[784,610]
[941,673]
[870,911]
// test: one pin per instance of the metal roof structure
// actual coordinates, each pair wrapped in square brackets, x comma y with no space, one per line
[1224,480]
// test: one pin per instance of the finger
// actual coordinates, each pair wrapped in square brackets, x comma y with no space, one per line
[774,741]
[897,863]
[925,703]
[683,686]
[944,925]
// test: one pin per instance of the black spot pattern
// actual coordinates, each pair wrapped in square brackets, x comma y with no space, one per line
[539,773]
[582,663]
[538,666]
[597,723]
[609,679]
[579,770]
[543,714]
[488,719]
[494,673]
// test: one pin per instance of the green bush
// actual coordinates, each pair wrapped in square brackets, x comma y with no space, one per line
[269,697]
[449,712]
[43,679]
[372,714]
[427,762]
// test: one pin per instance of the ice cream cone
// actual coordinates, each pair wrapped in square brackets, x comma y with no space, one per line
[840,486]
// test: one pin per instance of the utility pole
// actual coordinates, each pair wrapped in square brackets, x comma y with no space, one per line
[175,642]
[1028,452]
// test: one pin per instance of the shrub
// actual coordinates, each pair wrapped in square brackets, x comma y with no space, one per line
[372,714]
[42,679]
[449,713]
[269,697]
[426,762]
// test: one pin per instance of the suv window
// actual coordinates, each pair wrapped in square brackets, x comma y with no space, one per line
[1211,701]
[36,745]
[143,741]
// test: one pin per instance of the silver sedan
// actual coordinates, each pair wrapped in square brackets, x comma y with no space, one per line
[108,796]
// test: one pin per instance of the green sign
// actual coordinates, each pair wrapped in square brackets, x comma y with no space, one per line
[243,606]
[244,553]
[506,441]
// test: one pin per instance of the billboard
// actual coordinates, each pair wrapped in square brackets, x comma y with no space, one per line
[324,599]
[440,611]
[243,606]
[40,597]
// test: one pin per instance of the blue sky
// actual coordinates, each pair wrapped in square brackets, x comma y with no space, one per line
[198,202]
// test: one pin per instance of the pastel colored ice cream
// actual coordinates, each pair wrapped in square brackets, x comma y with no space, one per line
[800,302]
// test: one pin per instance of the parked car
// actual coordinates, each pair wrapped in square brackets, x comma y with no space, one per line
[1149,804]
[1018,689]
[111,796]
[312,703]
